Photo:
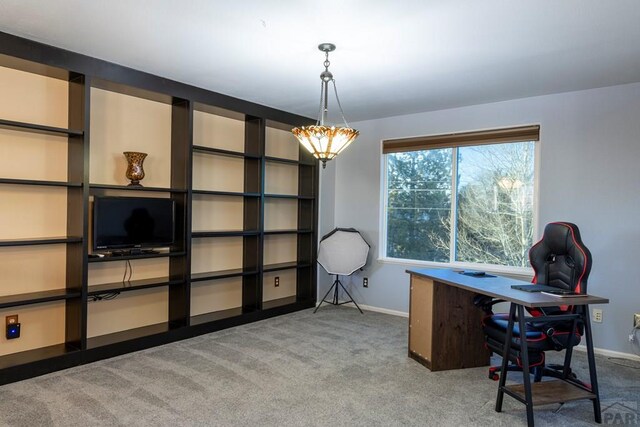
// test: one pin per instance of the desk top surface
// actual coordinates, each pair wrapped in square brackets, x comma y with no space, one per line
[500,287]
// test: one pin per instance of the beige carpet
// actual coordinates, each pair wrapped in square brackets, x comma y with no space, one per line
[334,368]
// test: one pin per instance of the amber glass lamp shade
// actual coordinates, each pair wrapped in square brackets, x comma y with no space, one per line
[325,142]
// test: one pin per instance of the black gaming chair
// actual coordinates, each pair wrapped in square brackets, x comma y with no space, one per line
[560,260]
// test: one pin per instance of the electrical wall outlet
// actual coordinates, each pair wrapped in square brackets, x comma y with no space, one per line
[636,321]
[596,315]
[276,281]
[13,327]
[365,282]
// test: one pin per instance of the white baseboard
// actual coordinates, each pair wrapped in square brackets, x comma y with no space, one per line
[376,309]
[610,353]
[581,347]
[381,310]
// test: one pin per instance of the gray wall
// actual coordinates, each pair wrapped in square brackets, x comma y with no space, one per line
[589,175]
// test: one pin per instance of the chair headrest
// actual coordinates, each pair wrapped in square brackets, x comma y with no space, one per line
[559,238]
[560,258]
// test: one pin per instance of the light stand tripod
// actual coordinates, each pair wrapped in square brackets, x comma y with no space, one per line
[335,301]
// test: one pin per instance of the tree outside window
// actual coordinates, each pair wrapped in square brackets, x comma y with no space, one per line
[492,212]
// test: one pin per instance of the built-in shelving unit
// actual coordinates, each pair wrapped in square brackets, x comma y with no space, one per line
[245,197]
[41,243]
[226,214]
[289,219]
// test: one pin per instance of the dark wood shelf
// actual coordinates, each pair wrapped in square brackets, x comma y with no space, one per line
[282,196]
[222,152]
[132,285]
[280,266]
[43,353]
[224,193]
[132,188]
[281,160]
[271,232]
[229,233]
[221,274]
[40,241]
[140,256]
[288,196]
[215,315]
[293,231]
[14,181]
[37,297]
[128,335]
[266,305]
[32,127]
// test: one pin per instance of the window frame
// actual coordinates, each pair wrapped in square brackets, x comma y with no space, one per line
[493,268]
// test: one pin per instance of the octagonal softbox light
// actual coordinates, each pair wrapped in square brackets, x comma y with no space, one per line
[343,251]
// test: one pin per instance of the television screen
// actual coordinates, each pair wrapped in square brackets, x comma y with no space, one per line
[132,222]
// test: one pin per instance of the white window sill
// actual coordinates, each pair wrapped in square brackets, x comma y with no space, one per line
[525,273]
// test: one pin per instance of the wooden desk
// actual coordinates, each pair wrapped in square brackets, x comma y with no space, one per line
[444,325]
[445,332]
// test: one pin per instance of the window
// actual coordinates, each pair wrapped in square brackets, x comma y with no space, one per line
[461,198]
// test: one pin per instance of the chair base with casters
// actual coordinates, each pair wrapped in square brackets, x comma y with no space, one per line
[541,336]
[537,343]
[335,300]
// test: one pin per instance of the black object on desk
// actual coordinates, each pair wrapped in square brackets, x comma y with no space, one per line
[473,273]
[563,294]
[534,288]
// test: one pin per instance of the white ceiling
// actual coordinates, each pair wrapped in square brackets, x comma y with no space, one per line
[393,57]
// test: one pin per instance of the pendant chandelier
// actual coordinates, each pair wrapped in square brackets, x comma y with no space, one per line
[326,142]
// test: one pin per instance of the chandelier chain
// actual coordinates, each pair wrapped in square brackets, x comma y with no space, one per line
[320,120]
[335,90]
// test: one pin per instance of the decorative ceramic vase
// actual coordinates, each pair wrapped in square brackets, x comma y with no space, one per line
[135,173]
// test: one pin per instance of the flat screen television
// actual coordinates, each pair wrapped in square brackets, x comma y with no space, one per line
[132,222]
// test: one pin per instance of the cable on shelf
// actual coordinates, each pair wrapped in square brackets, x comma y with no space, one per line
[106,296]
[127,268]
